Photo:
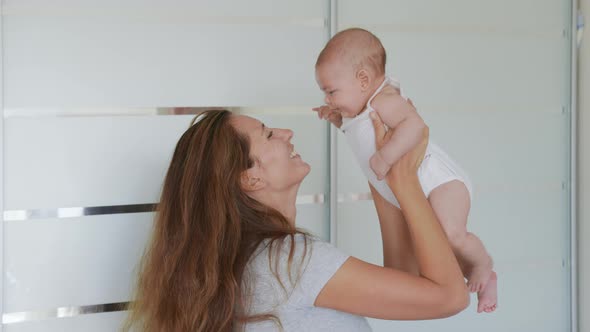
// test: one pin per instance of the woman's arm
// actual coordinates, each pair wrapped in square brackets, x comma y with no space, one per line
[370,290]
[397,245]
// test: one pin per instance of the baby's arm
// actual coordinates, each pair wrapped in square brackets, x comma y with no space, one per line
[401,116]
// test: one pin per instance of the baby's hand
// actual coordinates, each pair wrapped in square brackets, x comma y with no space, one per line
[379,165]
[330,114]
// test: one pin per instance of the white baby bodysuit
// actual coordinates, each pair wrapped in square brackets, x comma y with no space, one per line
[436,169]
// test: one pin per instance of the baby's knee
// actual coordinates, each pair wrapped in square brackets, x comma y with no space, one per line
[456,236]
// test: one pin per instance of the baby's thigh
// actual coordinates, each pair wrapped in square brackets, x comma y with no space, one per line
[451,203]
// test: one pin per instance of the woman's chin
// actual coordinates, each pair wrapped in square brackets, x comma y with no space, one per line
[305,169]
[308,168]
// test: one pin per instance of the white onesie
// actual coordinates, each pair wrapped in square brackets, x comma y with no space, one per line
[436,169]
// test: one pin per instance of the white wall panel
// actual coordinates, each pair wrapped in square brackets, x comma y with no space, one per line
[89,260]
[524,306]
[506,151]
[457,54]
[111,321]
[313,218]
[501,15]
[54,162]
[88,161]
[491,79]
[145,54]
[488,76]
[83,81]
[584,174]
[55,263]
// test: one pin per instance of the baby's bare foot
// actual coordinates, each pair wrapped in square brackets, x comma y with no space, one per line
[488,297]
[479,276]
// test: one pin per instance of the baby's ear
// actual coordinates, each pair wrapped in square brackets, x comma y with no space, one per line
[363,76]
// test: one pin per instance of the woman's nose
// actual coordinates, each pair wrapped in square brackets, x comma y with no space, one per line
[286,133]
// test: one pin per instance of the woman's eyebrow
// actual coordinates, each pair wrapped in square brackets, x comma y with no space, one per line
[262,129]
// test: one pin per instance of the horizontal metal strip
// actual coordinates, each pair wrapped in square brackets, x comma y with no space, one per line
[73,212]
[62,312]
[354,197]
[547,32]
[490,188]
[30,112]
[168,14]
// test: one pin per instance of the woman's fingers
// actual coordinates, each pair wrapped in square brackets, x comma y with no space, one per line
[382,133]
[379,130]
[415,156]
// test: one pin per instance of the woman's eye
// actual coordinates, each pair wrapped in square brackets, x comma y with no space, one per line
[269,134]
[332,92]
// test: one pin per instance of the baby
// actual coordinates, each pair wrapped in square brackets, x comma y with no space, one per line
[350,71]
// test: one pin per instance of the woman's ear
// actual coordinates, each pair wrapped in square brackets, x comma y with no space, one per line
[250,181]
[364,79]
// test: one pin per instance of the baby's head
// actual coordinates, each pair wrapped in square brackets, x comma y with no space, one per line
[349,69]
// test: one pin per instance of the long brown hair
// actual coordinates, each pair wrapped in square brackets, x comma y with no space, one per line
[206,229]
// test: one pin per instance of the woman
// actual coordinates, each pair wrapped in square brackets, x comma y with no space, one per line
[225,253]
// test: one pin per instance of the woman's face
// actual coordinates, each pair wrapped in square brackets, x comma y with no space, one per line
[276,162]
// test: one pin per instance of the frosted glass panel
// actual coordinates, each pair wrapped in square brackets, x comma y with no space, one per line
[111,321]
[314,219]
[81,83]
[71,262]
[485,154]
[92,161]
[457,55]
[103,161]
[532,300]
[85,53]
[121,160]
[358,231]
[491,79]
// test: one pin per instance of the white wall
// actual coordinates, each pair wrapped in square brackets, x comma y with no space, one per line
[454,59]
[491,79]
[584,173]
[108,65]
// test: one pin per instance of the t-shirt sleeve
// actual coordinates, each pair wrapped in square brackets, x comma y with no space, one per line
[323,262]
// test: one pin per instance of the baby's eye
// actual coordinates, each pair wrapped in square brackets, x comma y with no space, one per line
[331,92]
[269,134]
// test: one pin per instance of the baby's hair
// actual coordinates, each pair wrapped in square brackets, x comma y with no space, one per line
[357,47]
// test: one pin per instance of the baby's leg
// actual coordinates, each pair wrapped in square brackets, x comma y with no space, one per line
[451,203]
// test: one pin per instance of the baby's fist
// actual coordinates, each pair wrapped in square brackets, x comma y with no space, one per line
[379,165]
[330,114]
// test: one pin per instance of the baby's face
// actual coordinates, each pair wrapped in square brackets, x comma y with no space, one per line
[341,88]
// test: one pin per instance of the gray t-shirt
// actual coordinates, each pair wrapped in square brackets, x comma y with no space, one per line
[293,304]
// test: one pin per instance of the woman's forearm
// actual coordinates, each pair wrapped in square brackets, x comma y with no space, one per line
[398,252]
[433,253]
